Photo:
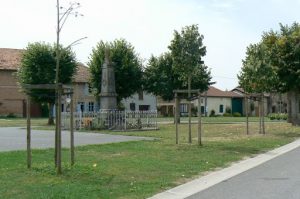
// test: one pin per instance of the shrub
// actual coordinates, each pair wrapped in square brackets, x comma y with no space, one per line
[227,115]
[11,115]
[212,113]
[277,116]
[272,116]
[236,114]
[194,111]
[228,110]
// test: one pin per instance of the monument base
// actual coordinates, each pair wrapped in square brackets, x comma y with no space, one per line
[108,103]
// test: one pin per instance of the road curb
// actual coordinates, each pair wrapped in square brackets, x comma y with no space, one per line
[213,178]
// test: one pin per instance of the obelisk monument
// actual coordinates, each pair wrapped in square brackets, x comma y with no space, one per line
[108,95]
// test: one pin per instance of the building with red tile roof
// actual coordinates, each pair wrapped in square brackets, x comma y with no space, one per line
[12,100]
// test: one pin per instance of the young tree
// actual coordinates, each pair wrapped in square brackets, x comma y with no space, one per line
[127,65]
[38,67]
[187,51]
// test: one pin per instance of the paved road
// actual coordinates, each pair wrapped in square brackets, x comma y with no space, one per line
[14,138]
[278,178]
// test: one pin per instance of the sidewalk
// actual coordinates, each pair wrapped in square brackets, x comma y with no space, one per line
[202,183]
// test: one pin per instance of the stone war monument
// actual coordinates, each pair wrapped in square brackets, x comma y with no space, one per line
[108,95]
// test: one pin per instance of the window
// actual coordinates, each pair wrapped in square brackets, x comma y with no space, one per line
[144,107]
[80,106]
[141,95]
[90,89]
[221,108]
[202,109]
[183,108]
[62,108]
[91,106]
[132,106]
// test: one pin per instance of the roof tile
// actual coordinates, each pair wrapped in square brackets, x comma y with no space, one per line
[10,59]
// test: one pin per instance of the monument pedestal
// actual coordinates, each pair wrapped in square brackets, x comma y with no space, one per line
[108,95]
[108,101]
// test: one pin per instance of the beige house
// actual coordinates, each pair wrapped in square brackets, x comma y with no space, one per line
[271,102]
[84,100]
[218,101]
[213,100]
[141,101]
[12,100]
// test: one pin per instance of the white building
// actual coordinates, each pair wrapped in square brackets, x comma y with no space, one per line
[141,101]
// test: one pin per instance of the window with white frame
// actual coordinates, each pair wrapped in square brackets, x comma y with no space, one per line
[183,108]
[91,106]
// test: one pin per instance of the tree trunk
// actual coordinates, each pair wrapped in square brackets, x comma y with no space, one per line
[259,113]
[263,113]
[247,114]
[50,118]
[289,104]
[190,108]
[293,114]
[177,109]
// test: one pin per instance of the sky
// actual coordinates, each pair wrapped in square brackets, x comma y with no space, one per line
[228,26]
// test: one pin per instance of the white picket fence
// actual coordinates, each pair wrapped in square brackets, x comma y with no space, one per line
[112,119]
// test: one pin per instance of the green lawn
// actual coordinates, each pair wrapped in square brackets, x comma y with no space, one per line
[136,169]
[21,122]
[215,119]
[6,122]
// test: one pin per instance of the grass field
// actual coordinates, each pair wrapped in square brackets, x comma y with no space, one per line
[215,119]
[5,122]
[136,169]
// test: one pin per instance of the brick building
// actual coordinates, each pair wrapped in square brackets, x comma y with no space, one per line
[13,101]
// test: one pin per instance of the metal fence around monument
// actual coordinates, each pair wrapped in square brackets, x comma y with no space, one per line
[112,120]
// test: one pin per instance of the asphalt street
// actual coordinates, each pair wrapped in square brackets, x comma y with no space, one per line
[14,138]
[278,178]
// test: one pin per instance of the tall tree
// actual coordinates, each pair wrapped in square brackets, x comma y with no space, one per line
[160,78]
[284,55]
[127,65]
[257,75]
[38,67]
[187,50]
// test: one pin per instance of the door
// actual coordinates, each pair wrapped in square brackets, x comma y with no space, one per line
[237,105]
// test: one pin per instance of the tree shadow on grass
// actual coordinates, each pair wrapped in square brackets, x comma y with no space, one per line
[241,149]
[289,134]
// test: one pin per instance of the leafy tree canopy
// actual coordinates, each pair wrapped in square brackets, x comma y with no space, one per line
[284,50]
[38,67]
[159,77]
[257,75]
[127,65]
[187,51]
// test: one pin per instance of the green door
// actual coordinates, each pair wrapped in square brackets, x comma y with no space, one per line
[237,105]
